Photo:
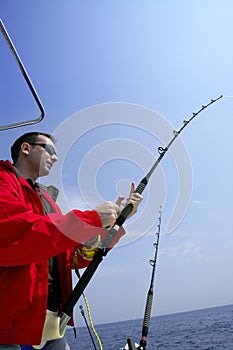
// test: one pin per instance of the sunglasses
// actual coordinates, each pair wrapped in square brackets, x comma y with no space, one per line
[49,148]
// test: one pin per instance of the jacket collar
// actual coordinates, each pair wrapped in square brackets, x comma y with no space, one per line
[51,190]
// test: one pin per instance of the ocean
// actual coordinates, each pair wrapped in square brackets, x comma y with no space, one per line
[205,329]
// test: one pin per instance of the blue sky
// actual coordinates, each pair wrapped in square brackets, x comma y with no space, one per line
[153,63]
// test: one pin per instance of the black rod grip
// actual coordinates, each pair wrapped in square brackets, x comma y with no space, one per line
[124,214]
[129,207]
[130,343]
[147,314]
[82,283]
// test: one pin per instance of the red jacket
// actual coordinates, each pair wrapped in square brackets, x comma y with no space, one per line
[27,240]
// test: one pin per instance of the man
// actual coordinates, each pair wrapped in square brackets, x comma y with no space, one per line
[38,241]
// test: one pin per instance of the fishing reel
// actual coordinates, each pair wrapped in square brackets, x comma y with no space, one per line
[130,345]
[87,249]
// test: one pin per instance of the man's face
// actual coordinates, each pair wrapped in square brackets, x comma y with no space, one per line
[42,156]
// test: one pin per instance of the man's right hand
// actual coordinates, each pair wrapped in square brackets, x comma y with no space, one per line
[108,212]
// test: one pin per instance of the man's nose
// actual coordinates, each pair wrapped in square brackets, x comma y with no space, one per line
[54,158]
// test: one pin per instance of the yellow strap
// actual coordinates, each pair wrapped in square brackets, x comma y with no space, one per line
[91,323]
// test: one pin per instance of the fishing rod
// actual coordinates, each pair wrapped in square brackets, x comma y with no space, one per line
[103,249]
[87,325]
[27,79]
[149,301]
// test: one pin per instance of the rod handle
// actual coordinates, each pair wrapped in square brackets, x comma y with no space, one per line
[131,344]
[129,207]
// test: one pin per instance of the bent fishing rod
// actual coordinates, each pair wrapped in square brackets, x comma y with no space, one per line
[27,79]
[149,300]
[103,249]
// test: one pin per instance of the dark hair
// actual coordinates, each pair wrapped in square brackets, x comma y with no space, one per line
[29,137]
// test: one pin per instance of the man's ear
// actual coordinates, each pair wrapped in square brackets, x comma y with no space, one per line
[25,148]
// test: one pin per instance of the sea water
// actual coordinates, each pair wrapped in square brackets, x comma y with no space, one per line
[206,329]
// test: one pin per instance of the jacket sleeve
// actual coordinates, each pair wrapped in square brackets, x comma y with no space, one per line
[27,236]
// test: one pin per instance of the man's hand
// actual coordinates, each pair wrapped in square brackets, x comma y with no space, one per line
[134,199]
[109,211]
